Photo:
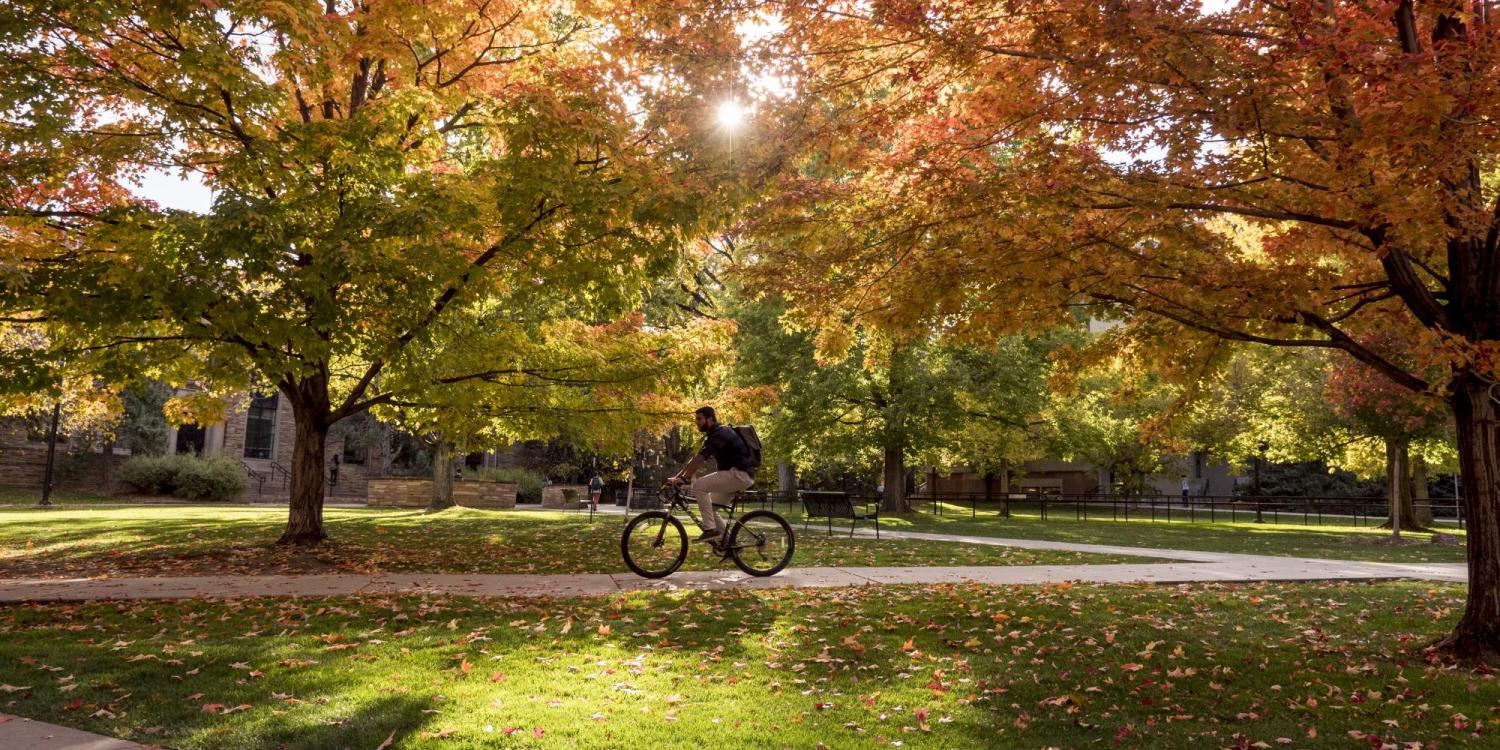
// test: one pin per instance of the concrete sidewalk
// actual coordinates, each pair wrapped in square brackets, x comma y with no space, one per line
[1243,568]
[17,733]
[1187,566]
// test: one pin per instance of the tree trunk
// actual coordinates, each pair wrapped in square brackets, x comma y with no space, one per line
[1420,501]
[1005,490]
[1477,634]
[1398,487]
[310,412]
[786,478]
[46,500]
[442,476]
[894,476]
[109,467]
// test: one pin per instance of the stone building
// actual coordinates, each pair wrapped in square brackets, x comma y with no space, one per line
[259,431]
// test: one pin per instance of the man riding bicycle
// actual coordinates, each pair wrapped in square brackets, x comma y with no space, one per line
[736,470]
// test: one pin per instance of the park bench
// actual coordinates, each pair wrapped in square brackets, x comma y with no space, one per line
[831,505]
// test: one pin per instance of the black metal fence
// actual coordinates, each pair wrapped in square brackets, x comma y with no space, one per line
[1340,511]
[1311,511]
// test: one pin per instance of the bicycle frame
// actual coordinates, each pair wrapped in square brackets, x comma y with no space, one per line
[679,503]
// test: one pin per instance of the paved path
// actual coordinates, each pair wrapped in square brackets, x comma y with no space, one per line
[1248,568]
[19,733]
[1185,566]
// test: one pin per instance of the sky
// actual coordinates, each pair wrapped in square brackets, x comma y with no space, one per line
[171,190]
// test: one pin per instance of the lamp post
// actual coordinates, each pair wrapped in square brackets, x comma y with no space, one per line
[1260,458]
[46,501]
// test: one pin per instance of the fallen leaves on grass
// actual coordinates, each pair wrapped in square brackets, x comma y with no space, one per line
[929,666]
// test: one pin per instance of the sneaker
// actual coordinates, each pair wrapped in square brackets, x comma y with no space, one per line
[708,536]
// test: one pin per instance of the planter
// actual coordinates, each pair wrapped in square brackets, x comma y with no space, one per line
[478,493]
[414,492]
[400,492]
[556,496]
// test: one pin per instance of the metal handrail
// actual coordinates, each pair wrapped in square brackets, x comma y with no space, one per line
[260,479]
[286,476]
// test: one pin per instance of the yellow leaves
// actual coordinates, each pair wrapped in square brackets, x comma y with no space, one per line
[197,407]
[833,341]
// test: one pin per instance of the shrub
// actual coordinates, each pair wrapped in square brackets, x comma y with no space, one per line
[187,477]
[528,483]
[153,475]
[211,478]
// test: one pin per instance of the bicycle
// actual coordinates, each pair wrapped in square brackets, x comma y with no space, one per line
[655,543]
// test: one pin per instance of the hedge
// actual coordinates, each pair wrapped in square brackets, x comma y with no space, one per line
[186,476]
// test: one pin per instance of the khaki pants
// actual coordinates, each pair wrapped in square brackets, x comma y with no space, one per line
[718,487]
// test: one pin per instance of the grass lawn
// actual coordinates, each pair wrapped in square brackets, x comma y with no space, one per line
[202,540]
[1207,666]
[1290,540]
[31,495]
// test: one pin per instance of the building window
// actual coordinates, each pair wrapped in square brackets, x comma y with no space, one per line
[260,427]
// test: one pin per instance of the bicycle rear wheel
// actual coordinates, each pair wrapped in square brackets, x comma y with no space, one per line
[654,544]
[762,543]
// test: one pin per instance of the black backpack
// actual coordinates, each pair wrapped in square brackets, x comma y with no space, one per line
[752,443]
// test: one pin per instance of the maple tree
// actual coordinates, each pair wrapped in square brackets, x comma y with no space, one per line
[1287,174]
[1308,405]
[593,385]
[887,407]
[1105,420]
[377,170]
[1374,407]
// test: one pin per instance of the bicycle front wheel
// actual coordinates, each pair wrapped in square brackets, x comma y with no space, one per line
[654,544]
[762,543]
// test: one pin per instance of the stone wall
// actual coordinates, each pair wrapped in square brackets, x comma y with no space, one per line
[23,463]
[553,497]
[473,493]
[416,492]
[399,492]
